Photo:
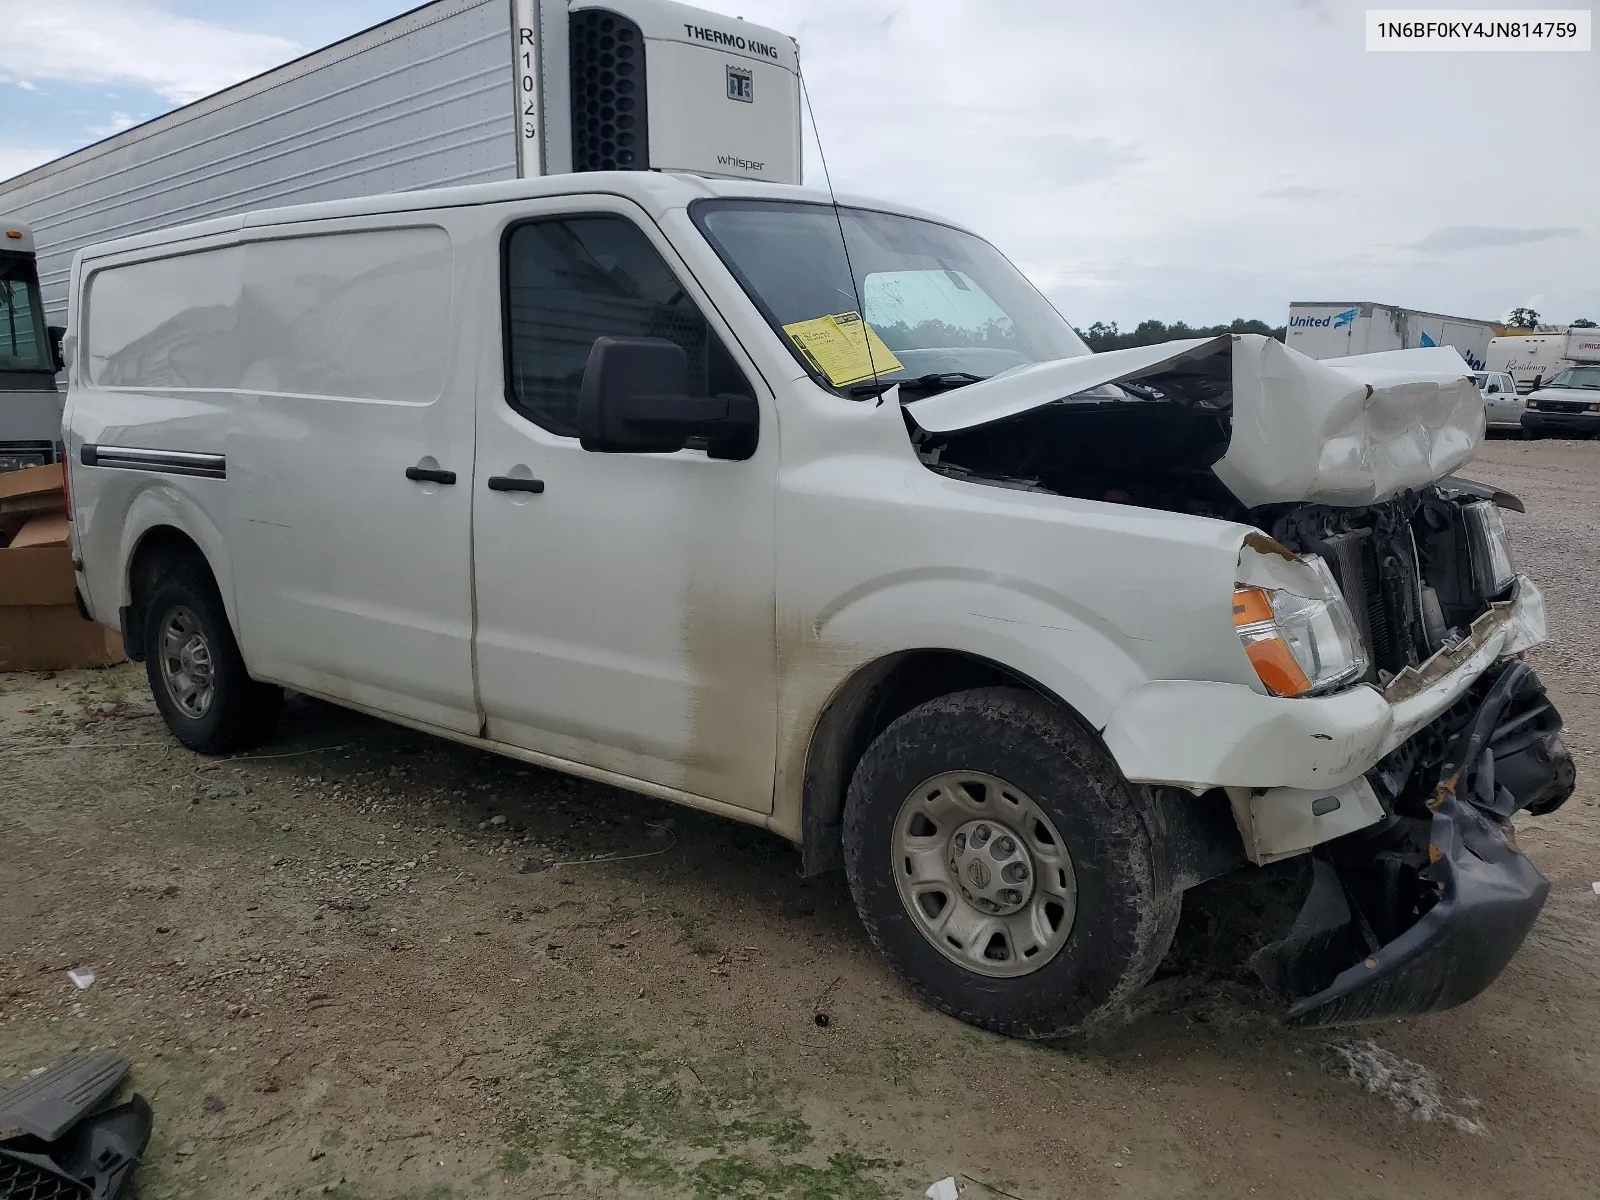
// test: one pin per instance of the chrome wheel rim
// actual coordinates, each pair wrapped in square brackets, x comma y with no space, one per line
[186,666]
[984,874]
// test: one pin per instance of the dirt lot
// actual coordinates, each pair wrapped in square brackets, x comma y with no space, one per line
[366,963]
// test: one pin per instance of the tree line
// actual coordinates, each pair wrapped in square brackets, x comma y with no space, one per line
[1105,335]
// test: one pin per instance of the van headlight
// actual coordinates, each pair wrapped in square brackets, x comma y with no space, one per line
[1300,645]
[1493,568]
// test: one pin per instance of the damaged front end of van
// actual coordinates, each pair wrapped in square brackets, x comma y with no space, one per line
[1395,731]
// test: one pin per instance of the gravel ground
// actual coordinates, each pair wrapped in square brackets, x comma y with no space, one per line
[361,962]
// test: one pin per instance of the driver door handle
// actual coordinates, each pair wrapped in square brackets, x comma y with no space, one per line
[512,483]
[430,475]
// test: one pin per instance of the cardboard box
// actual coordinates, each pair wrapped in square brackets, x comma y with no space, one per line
[40,629]
[30,481]
[29,493]
[42,531]
[54,637]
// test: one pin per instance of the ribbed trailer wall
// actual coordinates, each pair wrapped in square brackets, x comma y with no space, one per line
[425,100]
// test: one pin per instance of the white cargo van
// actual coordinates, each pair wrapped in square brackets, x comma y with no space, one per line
[643,477]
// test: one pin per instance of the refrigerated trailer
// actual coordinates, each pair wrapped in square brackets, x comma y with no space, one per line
[1332,329]
[452,92]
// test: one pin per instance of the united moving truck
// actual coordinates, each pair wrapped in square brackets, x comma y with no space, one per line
[1337,329]
[453,92]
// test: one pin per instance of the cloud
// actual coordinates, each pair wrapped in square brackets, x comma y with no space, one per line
[1317,9]
[117,122]
[135,43]
[1453,238]
[1299,192]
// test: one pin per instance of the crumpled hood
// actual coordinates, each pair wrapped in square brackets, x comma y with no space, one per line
[1344,431]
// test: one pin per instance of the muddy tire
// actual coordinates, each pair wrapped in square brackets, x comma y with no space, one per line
[196,674]
[1004,867]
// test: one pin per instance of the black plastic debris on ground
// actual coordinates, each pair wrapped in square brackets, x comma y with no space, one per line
[54,1145]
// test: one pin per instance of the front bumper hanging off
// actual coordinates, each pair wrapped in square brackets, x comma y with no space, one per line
[1422,911]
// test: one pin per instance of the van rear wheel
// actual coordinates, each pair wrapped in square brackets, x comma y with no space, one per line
[1004,867]
[196,673]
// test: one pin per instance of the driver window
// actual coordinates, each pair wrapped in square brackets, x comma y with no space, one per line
[570,280]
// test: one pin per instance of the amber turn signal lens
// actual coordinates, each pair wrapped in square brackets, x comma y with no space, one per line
[1251,607]
[14,234]
[1276,666]
[1270,655]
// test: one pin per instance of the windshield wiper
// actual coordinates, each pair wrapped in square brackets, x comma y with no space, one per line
[937,381]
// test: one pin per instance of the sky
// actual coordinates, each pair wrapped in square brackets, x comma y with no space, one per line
[1147,158]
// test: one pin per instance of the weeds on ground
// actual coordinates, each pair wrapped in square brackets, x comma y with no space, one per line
[692,933]
[709,1128]
[515,1162]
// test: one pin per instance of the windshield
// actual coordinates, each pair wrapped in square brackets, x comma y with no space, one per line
[24,343]
[943,302]
[1577,377]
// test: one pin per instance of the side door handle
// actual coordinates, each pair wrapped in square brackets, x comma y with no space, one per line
[512,483]
[430,475]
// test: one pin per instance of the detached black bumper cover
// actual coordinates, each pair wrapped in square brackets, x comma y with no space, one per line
[1490,898]
[1479,895]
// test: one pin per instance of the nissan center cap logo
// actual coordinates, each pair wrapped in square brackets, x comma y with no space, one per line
[1337,320]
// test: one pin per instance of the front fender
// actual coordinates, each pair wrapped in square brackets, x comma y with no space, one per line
[1079,657]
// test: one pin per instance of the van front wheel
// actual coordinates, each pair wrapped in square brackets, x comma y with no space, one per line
[1004,867]
[196,674]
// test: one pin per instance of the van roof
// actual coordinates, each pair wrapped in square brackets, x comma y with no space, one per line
[655,192]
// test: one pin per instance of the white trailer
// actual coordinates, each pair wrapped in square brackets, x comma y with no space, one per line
[1330,329]
[453,92]
[1534,357]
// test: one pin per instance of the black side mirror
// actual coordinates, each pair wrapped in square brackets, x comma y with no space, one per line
[56,333]
[635,400]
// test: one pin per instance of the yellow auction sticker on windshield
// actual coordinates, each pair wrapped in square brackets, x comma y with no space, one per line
[843,347]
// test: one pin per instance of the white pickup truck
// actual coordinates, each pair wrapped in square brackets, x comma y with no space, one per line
[644,477]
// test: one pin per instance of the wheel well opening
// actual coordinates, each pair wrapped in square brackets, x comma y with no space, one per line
[160,550]
[867,705]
